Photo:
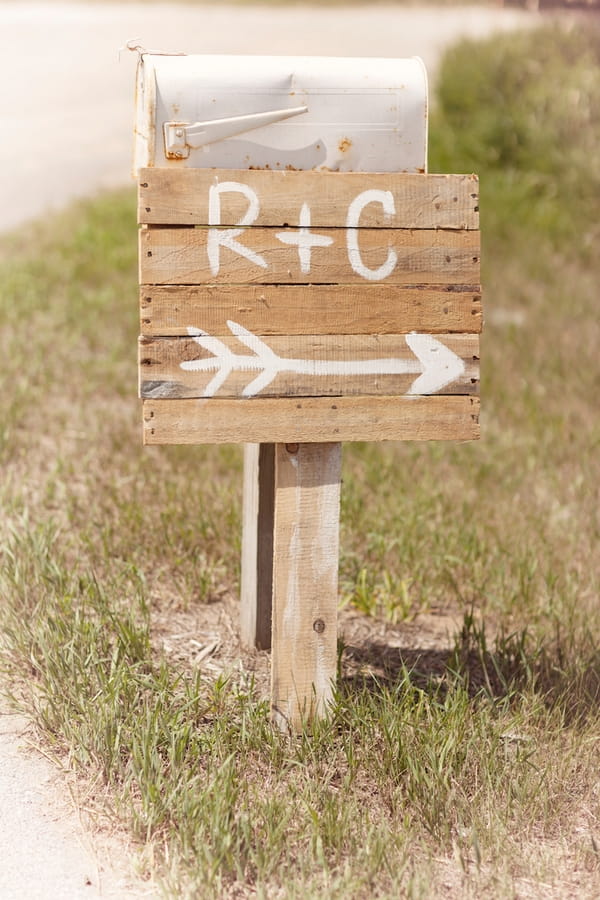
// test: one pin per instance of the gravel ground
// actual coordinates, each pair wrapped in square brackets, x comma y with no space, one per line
[66,117]
[45,851]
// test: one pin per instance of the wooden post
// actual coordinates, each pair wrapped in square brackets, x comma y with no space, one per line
[305,577]
[347,309]
[256,592]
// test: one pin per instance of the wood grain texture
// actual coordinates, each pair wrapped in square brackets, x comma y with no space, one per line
[179,256]
[180,197]
[316,419]
[328,310]
[256,589]
[305,571]
[161,375]
[310,309]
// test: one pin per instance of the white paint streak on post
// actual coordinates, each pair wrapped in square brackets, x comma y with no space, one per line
[306,546]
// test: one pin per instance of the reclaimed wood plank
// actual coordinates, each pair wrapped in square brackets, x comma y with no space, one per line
[314,419]
[305,573]
[181,197]
[180,256]
[326,309]
[256,588]
[162,375]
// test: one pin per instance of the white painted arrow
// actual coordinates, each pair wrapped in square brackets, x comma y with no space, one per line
[435,364]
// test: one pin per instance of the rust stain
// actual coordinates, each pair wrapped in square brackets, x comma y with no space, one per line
[344,145]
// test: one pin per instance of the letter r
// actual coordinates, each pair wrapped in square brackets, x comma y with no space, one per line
[226,237]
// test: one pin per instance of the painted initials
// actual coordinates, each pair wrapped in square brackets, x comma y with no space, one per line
[302,238]
[386,198]
[226,237]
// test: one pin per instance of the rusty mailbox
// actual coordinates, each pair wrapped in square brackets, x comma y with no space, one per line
[257,112]
[303,283]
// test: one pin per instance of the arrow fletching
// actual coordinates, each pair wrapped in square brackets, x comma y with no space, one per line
[212,344]
[251,341]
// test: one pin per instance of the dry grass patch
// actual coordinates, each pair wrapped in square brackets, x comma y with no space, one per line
[461,755]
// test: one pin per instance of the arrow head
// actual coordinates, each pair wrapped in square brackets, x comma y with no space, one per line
[441,366]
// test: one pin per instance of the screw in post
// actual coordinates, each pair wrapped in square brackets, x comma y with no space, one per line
[292,448]
[319,626]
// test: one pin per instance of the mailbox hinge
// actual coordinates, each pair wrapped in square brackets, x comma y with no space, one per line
[181,137]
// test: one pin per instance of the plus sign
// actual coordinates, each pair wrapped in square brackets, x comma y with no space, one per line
[304,239]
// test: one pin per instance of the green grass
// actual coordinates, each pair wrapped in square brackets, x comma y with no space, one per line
[468,769]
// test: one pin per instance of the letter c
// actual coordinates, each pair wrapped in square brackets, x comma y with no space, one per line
[386,198]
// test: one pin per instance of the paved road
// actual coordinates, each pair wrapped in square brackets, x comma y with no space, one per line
[66,102]
[45,853]
[66,116]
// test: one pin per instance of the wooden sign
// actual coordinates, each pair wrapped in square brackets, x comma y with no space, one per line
[308,306]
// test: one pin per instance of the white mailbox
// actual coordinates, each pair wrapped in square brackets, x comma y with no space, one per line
[257,112]
[330,296]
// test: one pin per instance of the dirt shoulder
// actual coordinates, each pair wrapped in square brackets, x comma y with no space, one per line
[46,851]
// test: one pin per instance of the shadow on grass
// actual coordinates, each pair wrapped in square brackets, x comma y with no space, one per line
[563,675]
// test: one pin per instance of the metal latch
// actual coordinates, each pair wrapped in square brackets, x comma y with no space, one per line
[181,137]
